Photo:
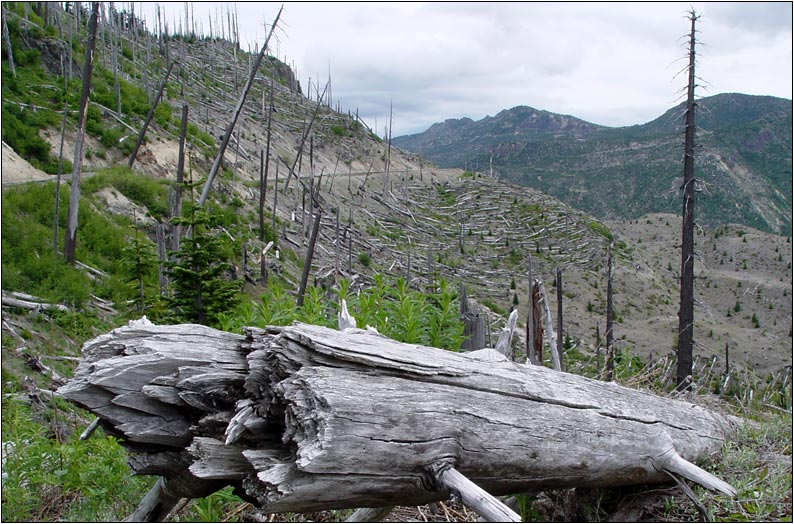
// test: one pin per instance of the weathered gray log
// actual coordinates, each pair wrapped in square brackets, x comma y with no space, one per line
[306,418]
[32,303]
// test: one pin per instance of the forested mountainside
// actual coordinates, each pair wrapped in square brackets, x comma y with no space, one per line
[396,235]
[744,160]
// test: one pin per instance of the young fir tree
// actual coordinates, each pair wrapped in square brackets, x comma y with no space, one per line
[140,266]
[199,290]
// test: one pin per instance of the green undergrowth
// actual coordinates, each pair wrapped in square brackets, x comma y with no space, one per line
[50,479]
[392,307]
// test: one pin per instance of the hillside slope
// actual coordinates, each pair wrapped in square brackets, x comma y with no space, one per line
[744,161]
[416,221]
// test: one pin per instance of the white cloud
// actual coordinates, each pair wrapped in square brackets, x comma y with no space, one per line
[608,63]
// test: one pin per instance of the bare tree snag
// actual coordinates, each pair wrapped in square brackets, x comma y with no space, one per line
[237,110]
[560,338]
[70,240]
[537,338]
[473,325]
[275,203]
[264,167]
[610,347]
[388,154]
[530,328]
[56,212]
[555,356]
[276,414]
[503,342]
[303,140]
[686,314]
[176,229]
[307,263]
[7,42]
[149,116]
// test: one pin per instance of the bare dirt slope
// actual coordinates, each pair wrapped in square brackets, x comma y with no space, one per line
[741,274]
[16,169]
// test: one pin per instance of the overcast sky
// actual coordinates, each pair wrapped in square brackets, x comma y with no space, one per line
[613,64]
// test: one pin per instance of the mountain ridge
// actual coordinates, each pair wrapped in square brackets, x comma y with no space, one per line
[745,142]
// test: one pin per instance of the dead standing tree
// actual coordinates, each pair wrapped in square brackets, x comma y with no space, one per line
[271,413]
[70,241]
[686,315]
[149,117]
[230,127]
[610,347]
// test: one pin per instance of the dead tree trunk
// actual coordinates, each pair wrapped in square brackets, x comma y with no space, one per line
[473,325]
[530,329]
[555,355]
[610,348]
[560,338]
[176,228]
[70,240]
[265,167]
[307,263]
[149,117]
[275,414]
[275,204]
[387,166]
[57,210]
[537,338]
[230,127]
[686,314]
[303,141]
[7,42]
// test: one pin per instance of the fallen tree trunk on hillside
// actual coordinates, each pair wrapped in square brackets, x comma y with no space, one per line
[306,418]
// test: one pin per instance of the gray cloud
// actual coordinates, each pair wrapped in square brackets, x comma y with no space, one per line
[608,63]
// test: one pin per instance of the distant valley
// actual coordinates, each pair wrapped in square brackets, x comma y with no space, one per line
[744,161]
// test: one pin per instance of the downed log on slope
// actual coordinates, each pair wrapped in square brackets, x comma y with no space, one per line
[306,418]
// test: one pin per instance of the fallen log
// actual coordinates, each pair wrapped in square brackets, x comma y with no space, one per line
[306,418]
[32,303]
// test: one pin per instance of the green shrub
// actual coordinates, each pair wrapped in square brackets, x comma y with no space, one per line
[142,190]
[600,229]
[21,132]
[73,480]
[162,114]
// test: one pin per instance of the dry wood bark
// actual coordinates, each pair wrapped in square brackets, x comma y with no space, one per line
[278,415]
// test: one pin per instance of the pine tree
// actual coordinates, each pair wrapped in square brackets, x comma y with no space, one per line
[200,292]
